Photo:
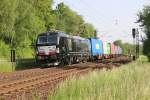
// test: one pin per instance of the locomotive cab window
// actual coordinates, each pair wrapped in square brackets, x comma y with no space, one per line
[42,39]
[51,39]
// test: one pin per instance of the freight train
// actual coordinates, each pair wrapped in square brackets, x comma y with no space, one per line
[56,47]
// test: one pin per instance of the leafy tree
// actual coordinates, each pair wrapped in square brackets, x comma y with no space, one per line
[22,20]
[127,47]
[118,43]
[144,19]
[88,30]
[7,19]
[72,23]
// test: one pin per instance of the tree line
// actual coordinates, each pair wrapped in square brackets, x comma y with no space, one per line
[22,20]
[144,20]
[128,48]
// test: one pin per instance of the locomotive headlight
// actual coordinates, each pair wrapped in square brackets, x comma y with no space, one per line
[57,50]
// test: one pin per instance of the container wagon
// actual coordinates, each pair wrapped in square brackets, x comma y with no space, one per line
[106,48]
[112,49]
[96,48]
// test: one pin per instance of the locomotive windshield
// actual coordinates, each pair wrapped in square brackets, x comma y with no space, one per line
[50,39]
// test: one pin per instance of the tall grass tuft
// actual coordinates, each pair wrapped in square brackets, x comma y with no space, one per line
[129,82]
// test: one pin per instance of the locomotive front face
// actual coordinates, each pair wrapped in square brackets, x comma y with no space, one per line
[47,48]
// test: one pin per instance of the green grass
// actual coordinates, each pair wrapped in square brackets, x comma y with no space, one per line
[129,82]
[21,64]
[143,58]
[5,66]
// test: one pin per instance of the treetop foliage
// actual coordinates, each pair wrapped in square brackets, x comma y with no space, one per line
[22,20]
[144,19]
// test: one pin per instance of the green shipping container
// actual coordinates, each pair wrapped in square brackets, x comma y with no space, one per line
[108,48]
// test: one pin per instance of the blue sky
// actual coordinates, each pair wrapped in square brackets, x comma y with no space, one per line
[114,19]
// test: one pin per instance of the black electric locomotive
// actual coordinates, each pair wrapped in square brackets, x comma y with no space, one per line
[55,47]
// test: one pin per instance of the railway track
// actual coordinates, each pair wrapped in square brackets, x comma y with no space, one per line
[15,85]
[8,90]
[8,77]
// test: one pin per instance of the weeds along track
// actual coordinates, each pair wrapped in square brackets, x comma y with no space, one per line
[25,84]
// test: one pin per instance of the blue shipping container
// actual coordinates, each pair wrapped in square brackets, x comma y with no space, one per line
[96,46]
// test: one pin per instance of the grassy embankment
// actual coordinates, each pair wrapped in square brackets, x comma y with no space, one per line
[129,82]
[5,66]
[22,64]
[25,59]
